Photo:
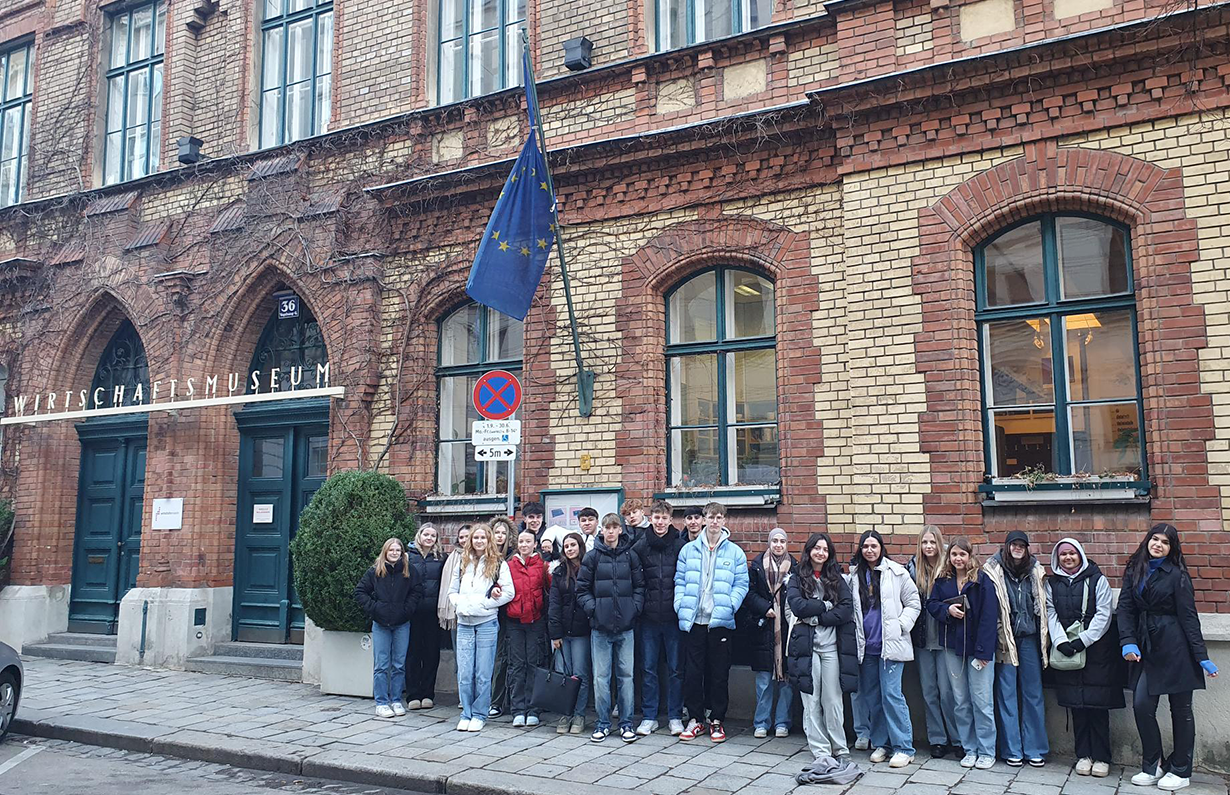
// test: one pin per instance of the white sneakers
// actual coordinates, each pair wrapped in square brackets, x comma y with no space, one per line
[476,725]
[1143,779]
[1170,782]
[878,755]
[648,727]
[968,760]
[985,762]
[676,727]
[531,721]
[414,703]
[782,731]
[398,710]
[518,721]
[862,744]
[760,733]
[384,711]
[1101,769]
[900,759]
[426,703]
[463,725]
[1084,766]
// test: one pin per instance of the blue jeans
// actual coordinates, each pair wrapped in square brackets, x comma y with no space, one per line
[475,662]
[616,648]
[937,697]
[389,645]
[862,724]
[766,688]
[657,640]
[1018,703]
[973,703]
[879,688]
[576,657]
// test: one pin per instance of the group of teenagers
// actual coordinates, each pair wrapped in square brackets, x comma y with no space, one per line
[631,594]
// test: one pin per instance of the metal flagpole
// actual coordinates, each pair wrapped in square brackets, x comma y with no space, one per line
[585,378]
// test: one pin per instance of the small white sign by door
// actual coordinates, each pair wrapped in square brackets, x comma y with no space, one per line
[168,514]
[262,513]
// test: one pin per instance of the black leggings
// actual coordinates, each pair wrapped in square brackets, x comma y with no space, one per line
[1183,725]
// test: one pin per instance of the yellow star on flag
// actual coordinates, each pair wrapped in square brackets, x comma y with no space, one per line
[514,177]
[542,243]
[543,185]
[504,246]
[495,235]
[550,227]
[525,251]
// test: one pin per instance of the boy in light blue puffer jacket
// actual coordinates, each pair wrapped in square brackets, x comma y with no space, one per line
[710,584]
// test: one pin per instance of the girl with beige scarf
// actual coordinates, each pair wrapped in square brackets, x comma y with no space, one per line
[764,611]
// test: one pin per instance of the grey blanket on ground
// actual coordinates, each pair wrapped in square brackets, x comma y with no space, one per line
[827,770]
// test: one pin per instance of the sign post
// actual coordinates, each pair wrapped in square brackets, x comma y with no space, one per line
[497,396]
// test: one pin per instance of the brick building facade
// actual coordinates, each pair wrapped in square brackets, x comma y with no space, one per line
[859,159]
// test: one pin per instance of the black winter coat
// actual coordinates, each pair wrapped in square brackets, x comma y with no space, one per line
[429,571]
[659,555]
[1099,685]
[565,618]
[390,600]
[611,587]
[1162,622]
[760,635]
[802,637]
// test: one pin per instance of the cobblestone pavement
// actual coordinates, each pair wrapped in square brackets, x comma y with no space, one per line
[291,728]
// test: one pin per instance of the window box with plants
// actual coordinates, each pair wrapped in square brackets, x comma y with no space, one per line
[340,533]
[1036,485]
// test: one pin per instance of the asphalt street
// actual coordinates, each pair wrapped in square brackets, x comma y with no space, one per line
[53,767]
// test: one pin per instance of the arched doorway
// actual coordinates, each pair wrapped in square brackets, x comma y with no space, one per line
[283,458]
[110,488]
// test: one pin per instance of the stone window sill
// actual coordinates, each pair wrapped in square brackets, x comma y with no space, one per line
[730,496]
[465,505]
[1014,492]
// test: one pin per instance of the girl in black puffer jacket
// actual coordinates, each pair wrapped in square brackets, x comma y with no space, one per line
[389,594]
[568,626]
[425,634]
[822,650]
[764,614]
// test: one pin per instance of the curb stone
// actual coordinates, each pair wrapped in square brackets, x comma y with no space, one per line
[352,768]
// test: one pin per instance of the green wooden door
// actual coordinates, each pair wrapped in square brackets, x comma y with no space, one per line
[283,457]
[110,508]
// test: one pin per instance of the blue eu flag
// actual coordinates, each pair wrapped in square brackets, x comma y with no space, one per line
[513,252]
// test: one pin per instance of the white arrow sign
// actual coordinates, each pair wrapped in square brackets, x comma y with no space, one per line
[504,453]
[496,433]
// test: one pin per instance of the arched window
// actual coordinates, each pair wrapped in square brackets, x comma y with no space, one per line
[473,340]
[722,380]
[286,345]
[121,369]
[1057,330]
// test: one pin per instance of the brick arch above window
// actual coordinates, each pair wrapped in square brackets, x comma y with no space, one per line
[669,259]
[1147,199]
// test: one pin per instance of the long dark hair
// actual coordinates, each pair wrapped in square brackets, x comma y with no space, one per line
[572,568]
[829,574]
[868,579]
[1138,565]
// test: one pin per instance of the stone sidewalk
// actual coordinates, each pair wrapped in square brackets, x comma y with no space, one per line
[291,728]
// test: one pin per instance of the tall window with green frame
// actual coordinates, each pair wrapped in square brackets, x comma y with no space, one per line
[16,90]
[722,380]
[473,340]
[132,147]
[480,47]
[1060,287]
[684,22]
[296,70]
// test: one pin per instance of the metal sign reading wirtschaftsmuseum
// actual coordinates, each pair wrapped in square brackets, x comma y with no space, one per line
[195,393]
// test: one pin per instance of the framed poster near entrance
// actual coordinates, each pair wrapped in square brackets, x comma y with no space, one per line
[563,505]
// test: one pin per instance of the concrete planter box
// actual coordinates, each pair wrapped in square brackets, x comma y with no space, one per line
[345,662]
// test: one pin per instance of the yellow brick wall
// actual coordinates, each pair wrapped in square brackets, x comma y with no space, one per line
[1201,148]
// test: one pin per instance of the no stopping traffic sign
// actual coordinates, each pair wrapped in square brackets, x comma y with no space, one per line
[497,395]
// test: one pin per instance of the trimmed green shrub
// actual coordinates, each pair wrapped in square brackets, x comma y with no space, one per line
[340,533]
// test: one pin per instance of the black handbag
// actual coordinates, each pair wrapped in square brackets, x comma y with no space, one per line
[554,690]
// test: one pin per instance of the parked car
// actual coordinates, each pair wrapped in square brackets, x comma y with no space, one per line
[11,675]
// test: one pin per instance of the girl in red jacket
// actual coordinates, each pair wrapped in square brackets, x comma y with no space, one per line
[527,626]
